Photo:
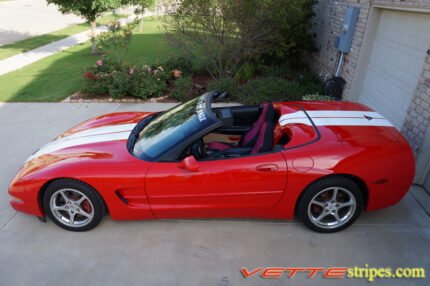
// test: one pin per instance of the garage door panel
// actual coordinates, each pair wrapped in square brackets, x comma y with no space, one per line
[387,81]
[387,97]
[387,59]
[389,94]
[373,82]
[416,42]
[398,78]
[395,63]
[392,57]
[396,72]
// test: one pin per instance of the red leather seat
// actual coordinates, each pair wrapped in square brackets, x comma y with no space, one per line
[252,136]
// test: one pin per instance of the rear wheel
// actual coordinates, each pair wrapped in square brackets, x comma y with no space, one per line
[73,205]
[331,204]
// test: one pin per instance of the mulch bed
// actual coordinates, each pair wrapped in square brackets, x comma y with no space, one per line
[82,97]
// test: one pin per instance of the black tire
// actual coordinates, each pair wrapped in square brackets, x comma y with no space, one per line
[95,207]
[332,208]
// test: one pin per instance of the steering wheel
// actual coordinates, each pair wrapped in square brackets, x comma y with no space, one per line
[197,149]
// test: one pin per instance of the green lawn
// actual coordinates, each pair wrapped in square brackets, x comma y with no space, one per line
[38,41]
[58,76]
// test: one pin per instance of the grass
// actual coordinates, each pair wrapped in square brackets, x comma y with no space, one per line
[60,75]
[38,41]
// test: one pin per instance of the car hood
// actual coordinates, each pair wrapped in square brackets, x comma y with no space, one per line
[93,134]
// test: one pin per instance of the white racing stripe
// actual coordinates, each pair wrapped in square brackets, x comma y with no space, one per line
[335,118]
[95,135]
[101,130]
[343,114]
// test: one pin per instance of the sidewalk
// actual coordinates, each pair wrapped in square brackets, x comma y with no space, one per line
[21,60]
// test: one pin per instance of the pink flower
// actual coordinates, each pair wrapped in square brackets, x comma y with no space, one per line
[99,63]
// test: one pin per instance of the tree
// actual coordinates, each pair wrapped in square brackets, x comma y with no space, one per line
[116,40]
[141,6]
[227,34]
[293,38]
[90,10]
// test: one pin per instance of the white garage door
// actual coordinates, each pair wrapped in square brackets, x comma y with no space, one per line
[395,64]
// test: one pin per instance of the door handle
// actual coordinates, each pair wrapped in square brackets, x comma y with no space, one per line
[267,168]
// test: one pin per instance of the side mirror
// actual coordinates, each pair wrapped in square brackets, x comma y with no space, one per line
[189,163]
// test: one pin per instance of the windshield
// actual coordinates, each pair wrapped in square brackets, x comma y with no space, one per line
[173,128]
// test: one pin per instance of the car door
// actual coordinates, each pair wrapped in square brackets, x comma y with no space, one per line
[237,187]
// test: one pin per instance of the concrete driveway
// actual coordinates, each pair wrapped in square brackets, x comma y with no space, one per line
[179,252]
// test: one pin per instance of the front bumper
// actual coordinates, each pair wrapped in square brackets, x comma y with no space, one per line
[24,200]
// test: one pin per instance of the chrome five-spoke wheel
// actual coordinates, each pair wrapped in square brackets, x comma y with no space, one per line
[71,207]
[330,204]
[332,207]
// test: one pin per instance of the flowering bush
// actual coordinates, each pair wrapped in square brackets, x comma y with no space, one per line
[177,73]
[183,64]
[119,84]
[143,82]
[147,83]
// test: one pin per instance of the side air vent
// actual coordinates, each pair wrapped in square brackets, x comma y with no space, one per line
[121,197]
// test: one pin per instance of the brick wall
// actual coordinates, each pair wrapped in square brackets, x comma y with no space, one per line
[328,25]
[418,117]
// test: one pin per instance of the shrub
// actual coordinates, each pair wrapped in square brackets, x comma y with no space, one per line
[182,89]
[226,84]
[104,78]
[293,36]
[267,89]
[97,78]
[309,82]
[102,66]
[283,70]
[228,34]
[179,63]
[247,72]
[200,66]
[118,84]
[317,96]
[146,85]
[96,84]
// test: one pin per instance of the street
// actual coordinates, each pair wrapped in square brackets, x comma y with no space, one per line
[21,19]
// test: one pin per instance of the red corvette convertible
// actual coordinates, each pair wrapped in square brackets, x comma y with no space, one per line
[322,161]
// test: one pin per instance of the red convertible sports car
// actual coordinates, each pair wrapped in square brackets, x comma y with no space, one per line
[322,161]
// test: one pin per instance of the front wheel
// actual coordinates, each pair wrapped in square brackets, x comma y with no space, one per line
[73,205]
[331,204]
